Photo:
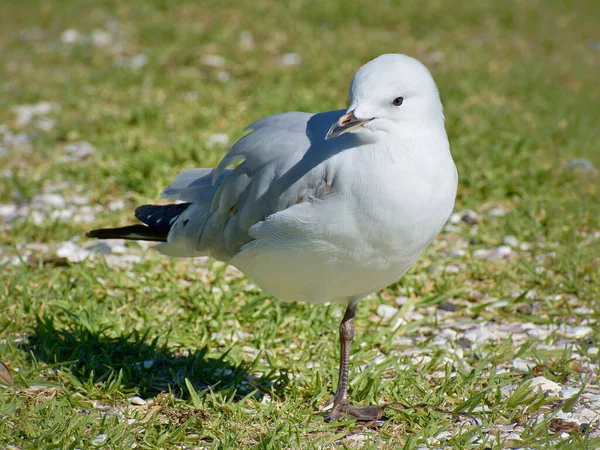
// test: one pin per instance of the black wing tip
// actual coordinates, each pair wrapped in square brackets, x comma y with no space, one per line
[101,233]
[157,220]
[142,211]
[132,232]
[160,218]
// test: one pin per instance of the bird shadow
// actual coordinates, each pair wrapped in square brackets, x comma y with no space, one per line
[132,362]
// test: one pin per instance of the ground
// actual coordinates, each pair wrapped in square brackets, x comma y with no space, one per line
[114,346]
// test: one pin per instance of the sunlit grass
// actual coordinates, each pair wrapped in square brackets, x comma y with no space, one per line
[226,365]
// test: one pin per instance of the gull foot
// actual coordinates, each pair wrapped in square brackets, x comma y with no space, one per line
[343,409]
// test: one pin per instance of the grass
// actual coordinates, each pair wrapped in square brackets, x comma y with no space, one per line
[223,363]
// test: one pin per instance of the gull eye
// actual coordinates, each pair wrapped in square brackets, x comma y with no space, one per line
[397,101]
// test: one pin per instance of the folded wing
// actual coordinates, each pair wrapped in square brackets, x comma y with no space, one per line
[281,163]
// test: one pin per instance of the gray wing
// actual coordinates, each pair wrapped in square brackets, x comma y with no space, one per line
[282,162]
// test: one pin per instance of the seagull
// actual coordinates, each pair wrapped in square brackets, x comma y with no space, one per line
[326,207]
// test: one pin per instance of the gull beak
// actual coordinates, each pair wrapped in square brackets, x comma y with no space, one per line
[347,122]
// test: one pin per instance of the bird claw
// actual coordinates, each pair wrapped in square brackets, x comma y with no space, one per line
[368,415]
[329,404]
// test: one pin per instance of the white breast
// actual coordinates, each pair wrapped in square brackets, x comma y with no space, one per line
[380,216]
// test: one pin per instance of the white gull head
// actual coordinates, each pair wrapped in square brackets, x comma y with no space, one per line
[390,94]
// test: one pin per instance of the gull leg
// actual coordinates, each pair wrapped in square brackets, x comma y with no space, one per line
[340,401]
[341,407]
